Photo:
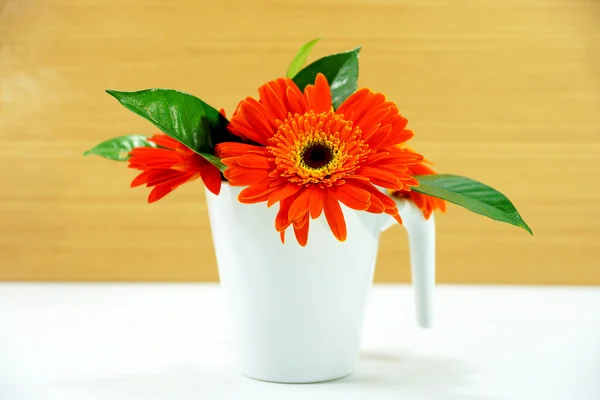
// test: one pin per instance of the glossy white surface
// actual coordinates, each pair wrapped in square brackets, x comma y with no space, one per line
[168,342]
[297,312]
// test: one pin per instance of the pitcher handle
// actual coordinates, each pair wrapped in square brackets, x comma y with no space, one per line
[421,238]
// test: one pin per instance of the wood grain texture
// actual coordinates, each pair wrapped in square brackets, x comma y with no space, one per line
[507,93]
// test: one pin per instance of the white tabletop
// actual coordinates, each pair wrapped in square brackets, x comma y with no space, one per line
[168,342]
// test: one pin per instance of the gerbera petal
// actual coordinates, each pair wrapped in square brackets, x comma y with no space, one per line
[379,174]
[164,189]
[318,96]
[283,192]
[335,218]
[386,201]
[355,192]
[379,136]
[394,138]
[211,176]
[421,169]
[301,232]
[372,101]
[159,192]
[351,102]
[240,176]
[350,201]
[273,100]
[159,176]
[252,193]
[375,118]
[165,141]
[405,158]
[262,129]
[316,202]
[375,205]
[295,101]
[300,205]
[255,161]
[140,179]
[232,149]
[282,222]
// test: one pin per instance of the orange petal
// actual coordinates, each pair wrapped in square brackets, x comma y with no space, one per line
[283,192]
[255,161]
[261,125]
[335,218]
[282,222]
[351,202]
[318,96]
[322,94]
[316,202]
[165,141]
[296,102]
[353,191]
[392,139]
[273,100]
[375,206]
[159,192]
[379,175]
[300,205]
[420,169]
[211,176]
[386,201]
[140,179]
[374,118]
[163,189]
[352,102]
[379,136]
[230,161]
[352,196]
[302,232]
[240,176]
[159,176]
[282,237]
[253,193]
[233,149]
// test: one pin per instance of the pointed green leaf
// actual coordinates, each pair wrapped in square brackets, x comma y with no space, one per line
[118,148]
[180,115]
[300,59]
[341,71]
[472,195]
[214,160]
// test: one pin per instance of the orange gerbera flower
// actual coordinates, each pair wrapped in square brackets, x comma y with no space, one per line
[427,204]
[309,158]
[169,166]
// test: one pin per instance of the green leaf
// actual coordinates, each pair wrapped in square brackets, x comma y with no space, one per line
[341,71]
[118,148]
[472,195]
[300,58]
[214,160]
[180,115]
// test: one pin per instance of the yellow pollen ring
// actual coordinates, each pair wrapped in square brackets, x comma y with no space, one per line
[310,132]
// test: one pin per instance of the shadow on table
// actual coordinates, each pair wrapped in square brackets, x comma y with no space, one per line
[381,375]
[426,375]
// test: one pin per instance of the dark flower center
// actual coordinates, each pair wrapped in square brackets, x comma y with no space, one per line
[317,156]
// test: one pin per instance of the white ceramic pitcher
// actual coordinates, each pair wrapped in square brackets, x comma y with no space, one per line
[297,312]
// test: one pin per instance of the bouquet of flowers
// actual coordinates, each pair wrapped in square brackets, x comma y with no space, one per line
[309,142]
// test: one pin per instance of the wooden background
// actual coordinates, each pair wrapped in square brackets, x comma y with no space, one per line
[506,92]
